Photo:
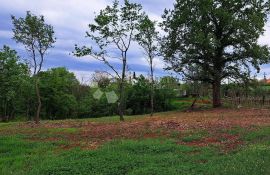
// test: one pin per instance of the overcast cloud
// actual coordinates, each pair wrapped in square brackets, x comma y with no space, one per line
[70,19]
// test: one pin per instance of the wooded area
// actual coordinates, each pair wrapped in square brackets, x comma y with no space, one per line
[209,46]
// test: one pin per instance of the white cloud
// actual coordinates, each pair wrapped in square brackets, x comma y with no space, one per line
[64,15]
[265,39]
[70,19]
[158,63]
[5,34]
[83,76]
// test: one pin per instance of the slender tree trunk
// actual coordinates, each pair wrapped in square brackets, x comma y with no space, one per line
[216,94]
[5,110]
[27,111]
[5,117]
[122,89]
[37,118]
[152,87]
[121,101]
[194,103]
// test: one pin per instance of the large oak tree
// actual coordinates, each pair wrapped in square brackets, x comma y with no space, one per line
[219,38]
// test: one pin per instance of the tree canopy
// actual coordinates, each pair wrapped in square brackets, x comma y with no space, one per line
[37,37]
[13,80]
[115,27]
[148,40]
[219,38]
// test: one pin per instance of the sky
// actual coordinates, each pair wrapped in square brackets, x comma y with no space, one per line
[70,19]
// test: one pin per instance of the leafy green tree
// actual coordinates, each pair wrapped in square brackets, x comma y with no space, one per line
[37,37]
[217,37]
[138,98]
[91,107]
[101,78]
[169,82]
[57,87]
[114,27]
[13,79]
[139,95]
[147,38]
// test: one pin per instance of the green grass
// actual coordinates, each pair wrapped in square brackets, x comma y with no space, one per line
[260,134]
[150,156]
[107,119]
[65,130]
[5,125]
[19,157]
[182,104]
[194,136]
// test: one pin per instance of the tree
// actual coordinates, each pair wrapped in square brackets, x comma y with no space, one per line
[217,37]
[57,87]
[147,38]
[169,82]
[37,37]
[139,95]
[13,77]
[101,78]
[115,27]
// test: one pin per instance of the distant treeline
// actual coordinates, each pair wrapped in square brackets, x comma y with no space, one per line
[63,96]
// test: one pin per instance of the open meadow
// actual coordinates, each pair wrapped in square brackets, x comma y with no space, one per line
[217,141]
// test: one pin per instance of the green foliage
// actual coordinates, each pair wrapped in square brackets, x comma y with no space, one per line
[137,100]
[57,86]
[35,35]
[64,97]
[169,82]
[210,40]
[114,27]
[147,38]
[101,79]
[90,107]
[219,38]
[14,84]
[253,88]
[138,97]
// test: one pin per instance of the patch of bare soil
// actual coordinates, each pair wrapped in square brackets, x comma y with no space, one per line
[225,142]
[92,134]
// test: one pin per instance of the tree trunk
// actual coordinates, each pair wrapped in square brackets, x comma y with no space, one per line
[37,118]
[121,101]
[5,110]
[152,87]
[122,88]
[193,103]
[27,111]
[216,94]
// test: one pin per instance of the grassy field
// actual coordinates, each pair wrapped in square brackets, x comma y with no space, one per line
[214,142]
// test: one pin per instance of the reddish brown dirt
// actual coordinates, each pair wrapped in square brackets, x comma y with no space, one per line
[225,141]
[92,134]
